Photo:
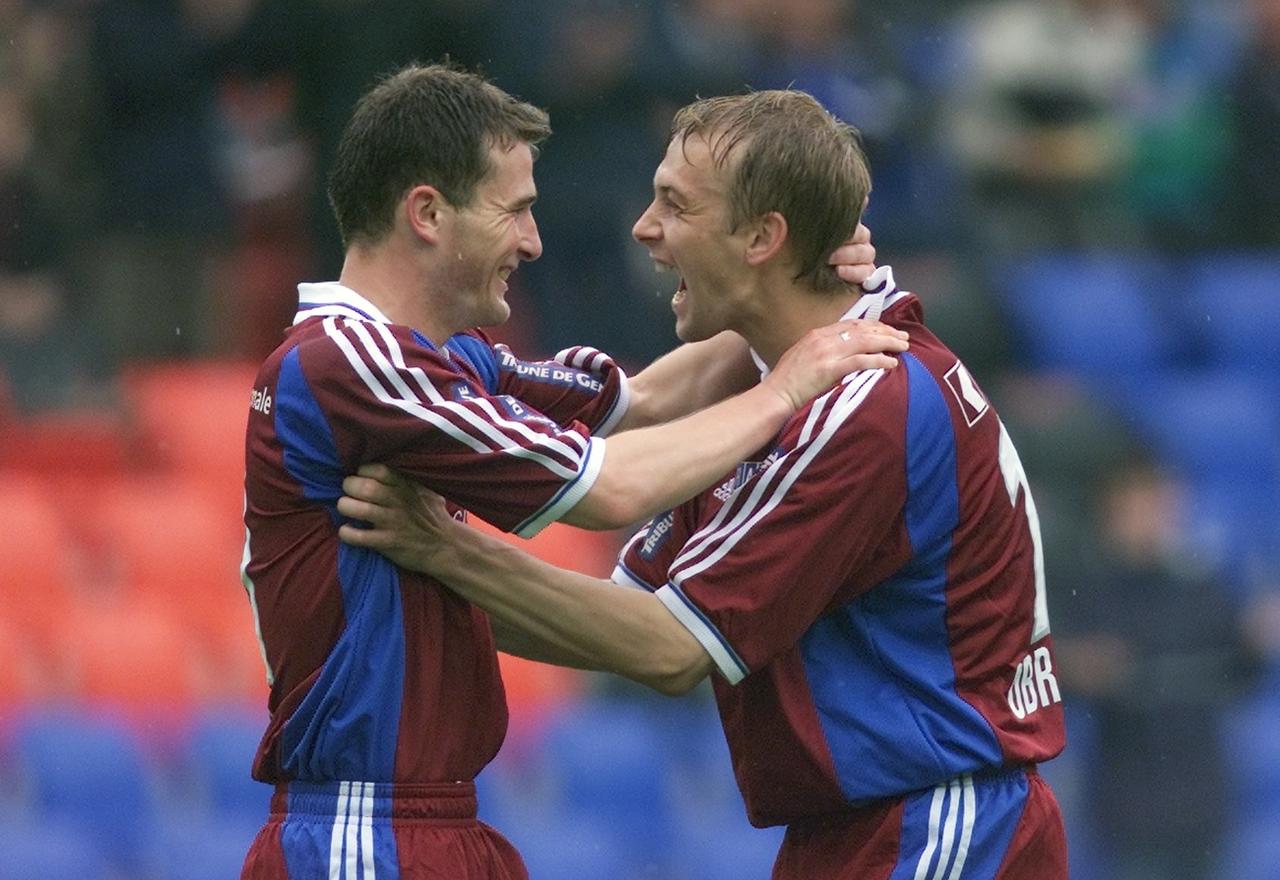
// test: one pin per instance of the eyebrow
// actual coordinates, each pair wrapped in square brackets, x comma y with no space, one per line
[670,193]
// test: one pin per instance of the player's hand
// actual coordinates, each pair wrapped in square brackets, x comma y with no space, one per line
[855,260]
[824,356]
[408,523]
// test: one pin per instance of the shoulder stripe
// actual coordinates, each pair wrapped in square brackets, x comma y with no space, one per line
[713,543]
[486,436]
[464,411]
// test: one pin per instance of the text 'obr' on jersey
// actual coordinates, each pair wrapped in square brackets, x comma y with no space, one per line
[871,590]
[379,674]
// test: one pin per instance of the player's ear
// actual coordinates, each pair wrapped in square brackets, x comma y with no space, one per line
[765,238]
[424,209]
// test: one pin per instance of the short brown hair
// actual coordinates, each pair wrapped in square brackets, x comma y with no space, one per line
[430,124]
[796,159]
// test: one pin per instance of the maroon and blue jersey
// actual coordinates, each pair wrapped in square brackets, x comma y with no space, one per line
[379,674]
[871,590]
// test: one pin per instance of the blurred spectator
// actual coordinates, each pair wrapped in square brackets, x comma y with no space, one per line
[1156,649]
[162,216]
[332,51]
[826,48]
[1254,193]
[43,360]
[601,71]
[1182,130]
[1041,123]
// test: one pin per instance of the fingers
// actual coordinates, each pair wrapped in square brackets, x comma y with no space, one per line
[368,488]
[859,362]
[358,537]
[377,471]
[354,508]
[861,335]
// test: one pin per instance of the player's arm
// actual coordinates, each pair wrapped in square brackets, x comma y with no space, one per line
[698,374]
[541,611]
[655,468]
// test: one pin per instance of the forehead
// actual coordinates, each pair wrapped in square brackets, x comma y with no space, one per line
[510,176]
[689,168]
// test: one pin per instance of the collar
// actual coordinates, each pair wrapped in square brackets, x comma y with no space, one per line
[879,292]
[333,298]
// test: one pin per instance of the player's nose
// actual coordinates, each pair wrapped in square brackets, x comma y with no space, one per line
[647,229]
[530,241]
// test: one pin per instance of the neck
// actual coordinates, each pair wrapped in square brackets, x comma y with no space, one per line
[395,286]
[789,312]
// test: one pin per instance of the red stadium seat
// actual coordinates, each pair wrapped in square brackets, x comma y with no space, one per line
[38,564]
[191,415]
[69,448]
[135,657]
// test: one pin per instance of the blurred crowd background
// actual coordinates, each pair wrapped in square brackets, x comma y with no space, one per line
[1085,193]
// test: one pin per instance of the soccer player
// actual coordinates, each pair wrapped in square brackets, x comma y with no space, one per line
[868,585]
[385,695]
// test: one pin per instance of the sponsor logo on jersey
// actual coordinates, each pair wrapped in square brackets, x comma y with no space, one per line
[970,397]
[659,531]
[550,373]
[1034,685]
[260,400]
[744,473]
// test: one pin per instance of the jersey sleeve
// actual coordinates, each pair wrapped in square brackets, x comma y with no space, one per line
[806,531]
[580,384]
[384,396]
[646,556]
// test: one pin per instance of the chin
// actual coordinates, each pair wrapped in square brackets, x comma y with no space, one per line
[497,314]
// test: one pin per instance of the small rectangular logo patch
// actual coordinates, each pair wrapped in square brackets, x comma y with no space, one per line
[972,402]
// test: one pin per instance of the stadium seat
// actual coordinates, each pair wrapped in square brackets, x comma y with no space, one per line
[607,758]
[1102,315]
[36,569]
[218,757]
[169,540]
[71,449]
[89,773]
[1231,301]
[132,657]
[49,851]
[191,415]
[1218,430]
[199,847]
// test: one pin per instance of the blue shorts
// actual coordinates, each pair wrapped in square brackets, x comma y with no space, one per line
[379,831]
[998,826]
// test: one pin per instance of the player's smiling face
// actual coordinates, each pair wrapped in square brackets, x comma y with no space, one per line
[686,229]
[492,236]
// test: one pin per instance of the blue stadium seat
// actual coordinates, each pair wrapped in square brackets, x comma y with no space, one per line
[608,758]
[90,774]
[36,849]
[607,768]
[219,757]
[1218,430]
[727,849]
[197,847]
[1102,315]
[1231,301]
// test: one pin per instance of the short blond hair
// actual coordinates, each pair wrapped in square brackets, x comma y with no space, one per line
[792,156]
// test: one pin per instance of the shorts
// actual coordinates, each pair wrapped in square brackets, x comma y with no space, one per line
[997,826]
[379,831]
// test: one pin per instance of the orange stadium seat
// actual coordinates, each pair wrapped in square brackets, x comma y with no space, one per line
[38,565]
[71,448]
[136,657]
[191,415]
